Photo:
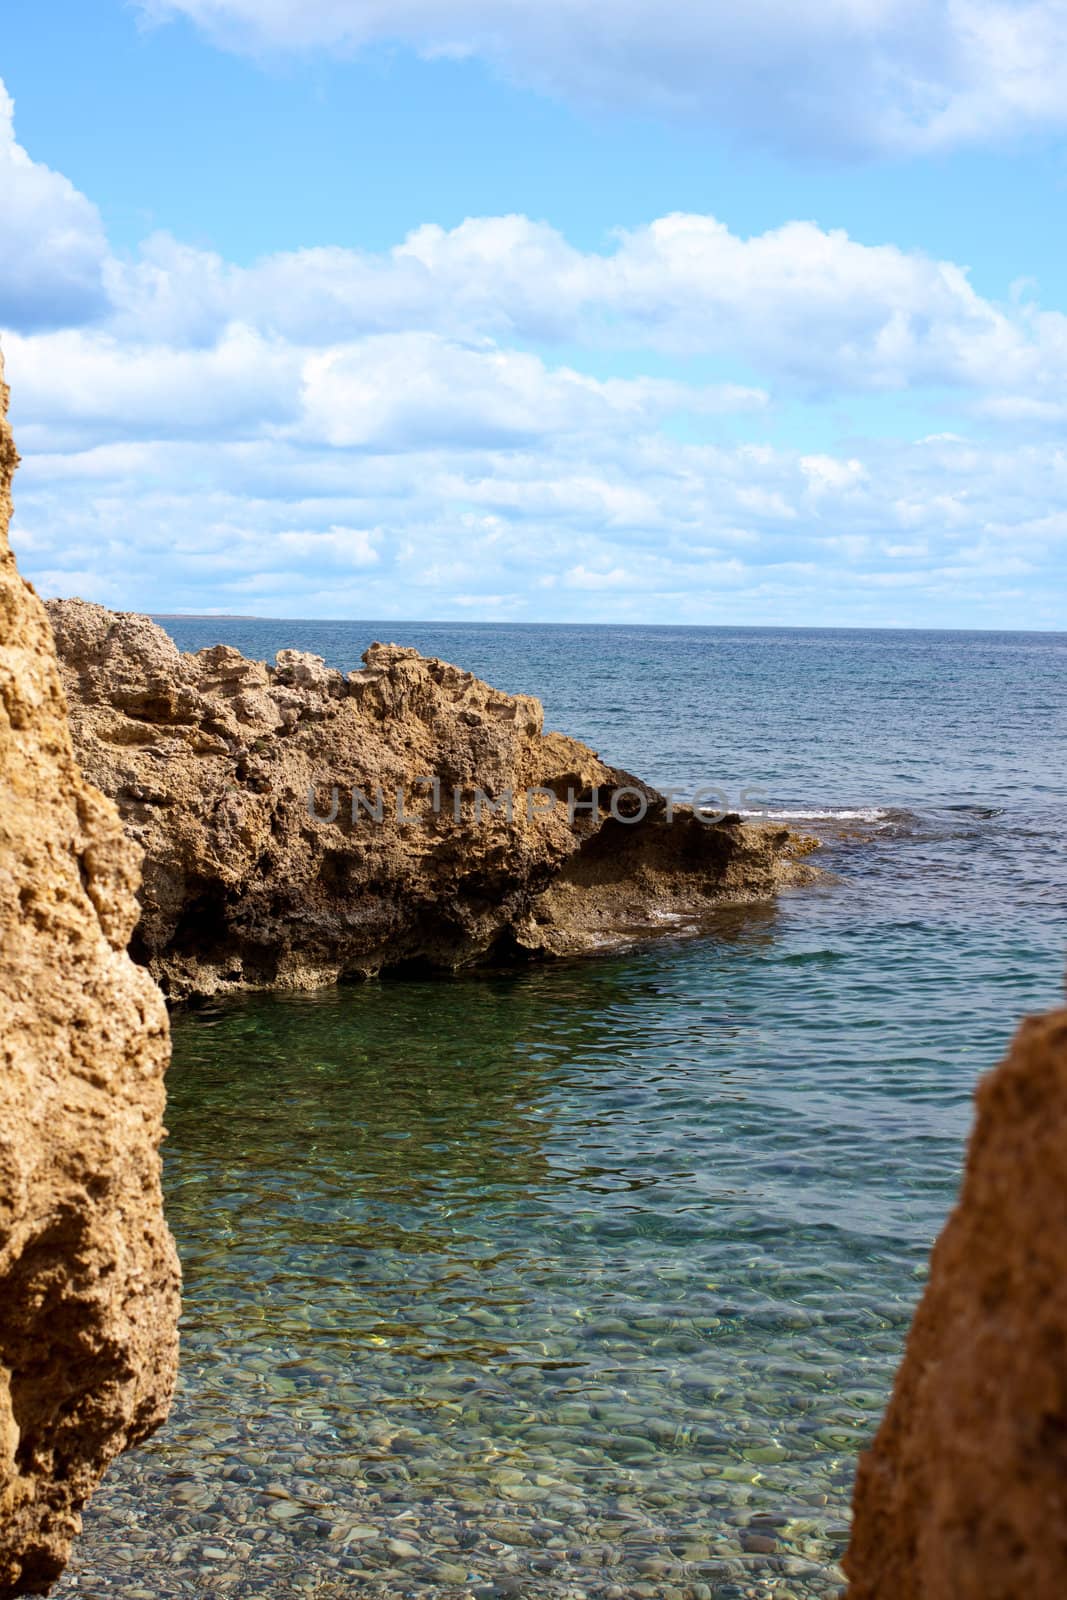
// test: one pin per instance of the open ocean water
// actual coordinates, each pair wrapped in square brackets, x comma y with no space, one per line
[591,1280]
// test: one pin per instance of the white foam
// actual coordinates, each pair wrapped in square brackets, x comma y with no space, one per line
[860,814]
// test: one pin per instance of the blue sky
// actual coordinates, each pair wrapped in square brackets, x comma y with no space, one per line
[570,312]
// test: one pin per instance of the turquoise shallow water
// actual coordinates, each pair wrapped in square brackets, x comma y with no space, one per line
[591,1280]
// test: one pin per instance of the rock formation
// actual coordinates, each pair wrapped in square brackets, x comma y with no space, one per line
[963,1495]
[211,759]
[88,1274]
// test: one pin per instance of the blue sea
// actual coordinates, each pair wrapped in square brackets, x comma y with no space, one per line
[590,1281]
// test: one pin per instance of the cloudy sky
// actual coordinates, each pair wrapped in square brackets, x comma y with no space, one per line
[576,310]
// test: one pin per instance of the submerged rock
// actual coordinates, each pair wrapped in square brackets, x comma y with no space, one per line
[963,1495]
[88,1273]
[300,825]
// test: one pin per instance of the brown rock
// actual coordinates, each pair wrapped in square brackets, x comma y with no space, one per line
[963,1495]
[211,759]
[88,1274]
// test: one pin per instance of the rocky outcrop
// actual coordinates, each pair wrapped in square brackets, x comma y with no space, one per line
[446,826]
[963,1495]
[88,1274]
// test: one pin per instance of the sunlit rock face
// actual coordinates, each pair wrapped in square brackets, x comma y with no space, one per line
[963,1495]
[88,1274]
[301,825]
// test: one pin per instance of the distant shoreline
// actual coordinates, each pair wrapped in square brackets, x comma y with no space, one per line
[651,627]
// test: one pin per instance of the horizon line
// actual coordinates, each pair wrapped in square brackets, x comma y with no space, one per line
[500,622]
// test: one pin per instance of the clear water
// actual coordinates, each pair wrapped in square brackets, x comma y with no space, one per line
[590,1281]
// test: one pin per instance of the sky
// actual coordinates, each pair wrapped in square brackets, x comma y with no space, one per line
[570,312]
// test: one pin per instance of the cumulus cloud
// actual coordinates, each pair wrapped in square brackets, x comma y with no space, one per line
[487,419]
[88,385]
[412,390]
[620,521]
[393,392]
[346,547]
[54,251]
[841,75]
[809,307]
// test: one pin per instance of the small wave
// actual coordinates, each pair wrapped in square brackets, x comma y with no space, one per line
[826,814]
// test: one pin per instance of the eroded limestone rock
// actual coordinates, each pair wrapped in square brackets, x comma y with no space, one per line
[211,759]
[88,1273]
[963,1495]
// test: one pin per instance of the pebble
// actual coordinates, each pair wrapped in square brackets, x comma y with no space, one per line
[759,1544]
[613,1438]
[402,1549]
[446,1572]
[284,1510]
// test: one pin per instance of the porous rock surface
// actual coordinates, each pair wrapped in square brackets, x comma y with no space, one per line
[88,1274]
[963,1495]
[212,759]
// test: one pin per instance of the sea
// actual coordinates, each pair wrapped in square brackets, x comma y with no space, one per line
[589,1281]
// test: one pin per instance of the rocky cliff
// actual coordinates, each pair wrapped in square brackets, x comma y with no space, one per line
[963,1495]
[443,825]
[88,1274]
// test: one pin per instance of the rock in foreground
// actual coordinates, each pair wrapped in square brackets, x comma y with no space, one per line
[212,758]
[963,1495]
[88,1274]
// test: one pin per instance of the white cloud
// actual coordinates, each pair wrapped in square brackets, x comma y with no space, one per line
[91,385]
[580,577]
[828,474]
[810,308]
[398,433]
[54,250]
[60,583]
[345,547]
[397,391]
[412,390]
[570,526]
[843,75]
[766,503]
